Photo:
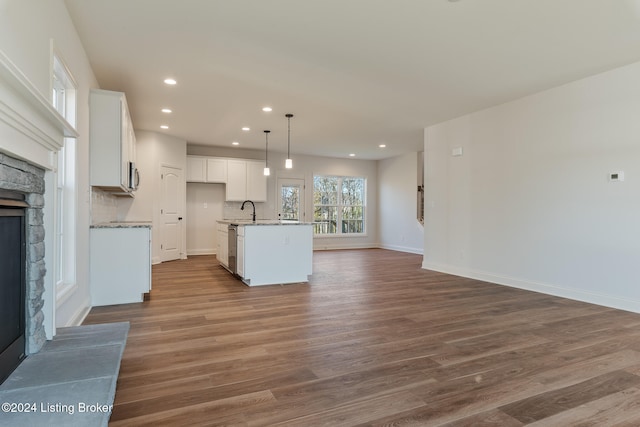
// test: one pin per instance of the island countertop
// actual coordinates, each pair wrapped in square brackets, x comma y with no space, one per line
[261,222]
[123,224]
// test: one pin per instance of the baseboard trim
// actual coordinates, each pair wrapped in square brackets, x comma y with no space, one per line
[80,314]
[418,251]
[201,252]
[611,301]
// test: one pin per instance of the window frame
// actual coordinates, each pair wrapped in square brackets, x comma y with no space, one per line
[339,206]
[64,92]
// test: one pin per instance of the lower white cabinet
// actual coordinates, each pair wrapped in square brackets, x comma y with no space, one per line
[120,263]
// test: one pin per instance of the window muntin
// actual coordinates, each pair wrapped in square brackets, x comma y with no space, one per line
[339,205]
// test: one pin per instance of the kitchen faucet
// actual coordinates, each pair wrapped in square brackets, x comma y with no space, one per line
[253,215]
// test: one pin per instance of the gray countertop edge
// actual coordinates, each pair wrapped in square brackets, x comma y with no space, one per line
[261,222]
[123,224]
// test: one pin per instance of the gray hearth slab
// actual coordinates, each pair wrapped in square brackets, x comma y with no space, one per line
[70,382]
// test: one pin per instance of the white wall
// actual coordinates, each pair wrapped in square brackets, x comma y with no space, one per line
[529,203]
[304,168]
[400,229]
[154,150]
[205,205]
[27,29]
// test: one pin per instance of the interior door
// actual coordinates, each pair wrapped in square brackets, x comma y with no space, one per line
[170,213]
[291,199]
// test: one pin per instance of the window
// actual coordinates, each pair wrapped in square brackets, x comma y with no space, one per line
[63,99]
[338,205]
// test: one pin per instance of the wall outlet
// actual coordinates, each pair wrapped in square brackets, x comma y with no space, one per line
[456,152]
[616,176]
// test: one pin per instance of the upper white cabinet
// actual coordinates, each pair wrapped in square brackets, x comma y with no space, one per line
[256,182]
[216,170]
[206,169]
[196,169]
[236,180]
[246,181]
[112,141]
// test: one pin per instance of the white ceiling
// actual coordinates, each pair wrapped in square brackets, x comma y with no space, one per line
[355,73]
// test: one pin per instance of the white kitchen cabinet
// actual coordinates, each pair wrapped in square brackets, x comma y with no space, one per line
[216,170]
[120,264]
[222,250]
[196,169]
[112,141]
[256,182]
[246,181]
[206,169]
[236,180]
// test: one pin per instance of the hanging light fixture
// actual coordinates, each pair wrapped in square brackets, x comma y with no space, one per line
[288,163]
[267,172]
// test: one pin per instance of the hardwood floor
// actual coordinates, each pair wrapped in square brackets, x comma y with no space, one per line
[372,340]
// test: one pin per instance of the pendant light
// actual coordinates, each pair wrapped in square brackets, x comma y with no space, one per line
[267,172]
[288,163]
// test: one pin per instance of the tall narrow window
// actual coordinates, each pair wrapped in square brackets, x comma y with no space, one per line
[63,99]
[339,205]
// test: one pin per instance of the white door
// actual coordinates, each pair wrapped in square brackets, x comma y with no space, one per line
[170,214]
[291,199]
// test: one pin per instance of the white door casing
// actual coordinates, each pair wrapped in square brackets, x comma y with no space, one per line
[291,185]
[170,214]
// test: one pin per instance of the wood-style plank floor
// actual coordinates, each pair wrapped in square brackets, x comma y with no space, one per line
[372,340]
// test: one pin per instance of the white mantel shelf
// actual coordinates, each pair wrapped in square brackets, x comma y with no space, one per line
[33,130]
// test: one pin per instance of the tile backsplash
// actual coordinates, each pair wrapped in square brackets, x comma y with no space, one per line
[232,210]
[104,206]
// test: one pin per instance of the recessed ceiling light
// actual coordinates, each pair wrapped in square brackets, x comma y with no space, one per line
[246,128]
[267,109]
[382,145]
[352,155]
[235,143]
[166,110]
[170,81]
[164,127]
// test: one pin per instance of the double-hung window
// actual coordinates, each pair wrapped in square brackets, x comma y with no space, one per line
[64,100]
[339,204]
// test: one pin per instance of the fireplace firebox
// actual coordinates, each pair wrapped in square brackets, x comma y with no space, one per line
[12,281]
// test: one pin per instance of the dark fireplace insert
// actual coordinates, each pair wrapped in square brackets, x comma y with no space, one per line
[12,281]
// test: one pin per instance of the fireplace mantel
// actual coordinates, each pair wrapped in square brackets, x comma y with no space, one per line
[30,128]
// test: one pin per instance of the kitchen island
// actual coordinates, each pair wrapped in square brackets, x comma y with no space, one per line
[267,252]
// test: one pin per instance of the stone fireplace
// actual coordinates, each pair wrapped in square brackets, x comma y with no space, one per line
[31,134]
[22,177]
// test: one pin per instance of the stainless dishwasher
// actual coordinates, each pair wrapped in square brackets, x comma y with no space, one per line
[233,248]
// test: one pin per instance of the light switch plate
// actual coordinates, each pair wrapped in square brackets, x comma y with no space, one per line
[456,151]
